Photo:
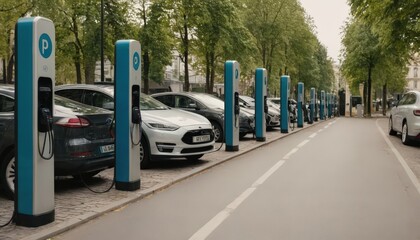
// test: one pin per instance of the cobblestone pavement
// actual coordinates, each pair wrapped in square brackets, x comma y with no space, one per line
[75,204]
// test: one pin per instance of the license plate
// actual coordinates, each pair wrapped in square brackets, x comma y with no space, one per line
[107,148]
[203,138]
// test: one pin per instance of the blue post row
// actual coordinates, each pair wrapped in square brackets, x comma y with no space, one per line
[312,106]
[232,75]
[322,105]
[260,103]
[34,87]
[127,114]
[284,97]
[329,104]
[300,102]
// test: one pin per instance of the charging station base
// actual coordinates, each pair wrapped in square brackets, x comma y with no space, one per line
[284,131]
[232,148]
[34,220]
[127,186]
[260,139]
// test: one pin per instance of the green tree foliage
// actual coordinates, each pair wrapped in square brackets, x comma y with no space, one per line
[156,39]
[368,61]
[397,23]
[10,12]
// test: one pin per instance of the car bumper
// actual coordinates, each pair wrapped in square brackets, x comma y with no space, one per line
[169,144]
[75,166]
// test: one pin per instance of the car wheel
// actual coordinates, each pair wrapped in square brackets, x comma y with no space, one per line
[194,157]
[404,134]
[391,130]
[144,154]
[218,132]
[8,174]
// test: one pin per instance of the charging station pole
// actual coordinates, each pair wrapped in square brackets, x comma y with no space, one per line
[34,86]
[261,107]
[322,103]
[284,99]
[328,105]
[312,109]
[300,102]
[127,114]
[232,75]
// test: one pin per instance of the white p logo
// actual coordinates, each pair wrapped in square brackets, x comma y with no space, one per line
[45,45]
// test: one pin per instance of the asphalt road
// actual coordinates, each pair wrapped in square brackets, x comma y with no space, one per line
[339,180]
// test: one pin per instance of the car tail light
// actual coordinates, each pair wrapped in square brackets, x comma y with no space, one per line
[416,112]
[73,122]
[81,154]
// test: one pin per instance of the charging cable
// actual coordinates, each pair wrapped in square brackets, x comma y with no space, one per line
[10,221]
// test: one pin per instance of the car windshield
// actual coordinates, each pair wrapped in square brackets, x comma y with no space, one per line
[210,101]
[149,103]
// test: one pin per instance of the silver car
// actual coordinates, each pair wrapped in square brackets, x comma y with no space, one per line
[166,133]
[405,118]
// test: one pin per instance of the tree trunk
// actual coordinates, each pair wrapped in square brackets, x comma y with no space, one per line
[90,71]
[10,65]
[186,53]
[212,71]
[207,73]
[369,93]
[78,72]
[4,70]
[146,67]
[384,100]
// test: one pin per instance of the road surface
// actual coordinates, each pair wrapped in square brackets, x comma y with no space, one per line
[341,179]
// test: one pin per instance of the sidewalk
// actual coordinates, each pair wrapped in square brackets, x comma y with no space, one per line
[75,204]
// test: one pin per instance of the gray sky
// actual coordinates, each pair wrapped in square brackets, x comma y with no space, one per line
[329,17]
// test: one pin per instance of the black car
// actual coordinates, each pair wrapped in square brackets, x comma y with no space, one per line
[83,143]
[272,118]
[208,106]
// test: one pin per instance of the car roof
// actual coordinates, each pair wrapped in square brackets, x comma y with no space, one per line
[105,88]
[8,89]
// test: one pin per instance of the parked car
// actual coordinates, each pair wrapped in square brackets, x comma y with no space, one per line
[405,118]
[272,116]
[166,133]
[210,107]
[82,140]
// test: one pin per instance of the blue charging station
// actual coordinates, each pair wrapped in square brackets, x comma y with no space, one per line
[261,107]
[328,105]
[300,102]
[34,88]
[312,106]
[232,75]
[127,114]
[284,105]
[322,105]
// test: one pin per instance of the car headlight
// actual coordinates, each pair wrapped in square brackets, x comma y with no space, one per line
[162,126]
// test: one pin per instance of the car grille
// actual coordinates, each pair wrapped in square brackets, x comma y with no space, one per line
[188,137]
[196,150]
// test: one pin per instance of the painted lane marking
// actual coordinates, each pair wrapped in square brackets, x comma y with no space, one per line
[287,156]
[303,143]
[215,222]
[313,135]
[400,158]
[211,225]
[320,130]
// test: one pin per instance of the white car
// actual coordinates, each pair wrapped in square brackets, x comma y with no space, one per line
[166,133]
[405,118]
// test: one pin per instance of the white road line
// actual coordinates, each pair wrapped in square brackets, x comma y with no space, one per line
[400,158]
[211,225]
[326,126]
[303,143]
[287,156]
[312,135]
[320,130]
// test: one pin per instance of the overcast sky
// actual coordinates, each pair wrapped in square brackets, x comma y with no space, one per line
[329,17]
